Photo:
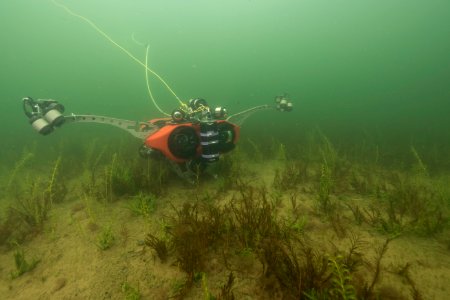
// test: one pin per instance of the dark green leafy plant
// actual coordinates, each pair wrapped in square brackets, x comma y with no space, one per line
[226,291]
[297,270]
[324,190]
[143,205]
[253,215]
[291,175]
[33,205]
[194,229]
[106,238]
[368,290]
[159,245]
[341,286]
[22,265]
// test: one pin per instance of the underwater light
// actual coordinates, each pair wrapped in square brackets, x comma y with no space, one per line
[43,114]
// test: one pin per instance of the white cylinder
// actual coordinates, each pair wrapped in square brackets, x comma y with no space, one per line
[52,115]
[40,124]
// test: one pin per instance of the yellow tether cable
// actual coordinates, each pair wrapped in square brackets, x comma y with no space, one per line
[92,24]
[148,85]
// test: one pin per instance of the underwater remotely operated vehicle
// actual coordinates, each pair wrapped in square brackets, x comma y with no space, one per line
[193,136]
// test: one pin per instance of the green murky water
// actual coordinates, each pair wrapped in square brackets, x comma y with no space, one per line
[349,66]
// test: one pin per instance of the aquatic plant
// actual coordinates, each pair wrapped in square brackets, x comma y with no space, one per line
[291,175]
[106,181]
[298,224]
[353,258]
[229,170]
[293,199]
[338,222]
[412,203]
[143,205]
[227,165]
[33,204]
[206,293]
[281,153]
[328,153]
[341,286]
[255,151]
[404,272]
[106,238]
[297,270]
[366,180]
[194,229]
[253,215]
[179,288]
[91,161]
[91,165]
[130,292]
[109,174]
[121,177]
[32,207]
[159,245]
[151,176]
[19,165]
[255,225]
[56,190]
[357,213]
[22,265]
[368,288]
[301,270]
[419,167]
[226,291]
[325,187]
[7,227]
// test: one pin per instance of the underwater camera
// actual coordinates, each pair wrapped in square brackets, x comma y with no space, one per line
[283,103]
[43,115]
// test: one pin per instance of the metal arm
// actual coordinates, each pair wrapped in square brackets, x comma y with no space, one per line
[240,117]
[283,104]
[140,130]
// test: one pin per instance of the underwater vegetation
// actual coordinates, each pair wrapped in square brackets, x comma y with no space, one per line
[240,231]
[21,263]
[33,199]
[159,245]
[194,229]
[292,174]
[34,204]
[226,292]
[250,227]
[408,200]
[106,238]
[143,205]
[120,177]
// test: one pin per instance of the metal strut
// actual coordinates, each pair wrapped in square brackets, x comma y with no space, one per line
[239,118]
[140,130]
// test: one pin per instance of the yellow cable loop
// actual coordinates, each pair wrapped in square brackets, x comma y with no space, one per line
[148,85]
[92,24]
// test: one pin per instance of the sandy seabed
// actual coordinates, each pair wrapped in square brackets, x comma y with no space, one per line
[72,266]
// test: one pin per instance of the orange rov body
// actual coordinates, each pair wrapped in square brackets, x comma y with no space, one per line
[181,142]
